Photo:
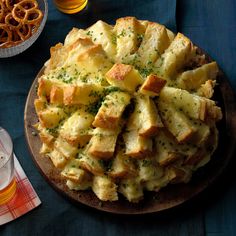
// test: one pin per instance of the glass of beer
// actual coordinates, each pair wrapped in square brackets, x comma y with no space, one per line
[70,6]
[7,177]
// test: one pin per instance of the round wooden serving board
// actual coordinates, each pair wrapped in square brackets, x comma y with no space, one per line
[168,197]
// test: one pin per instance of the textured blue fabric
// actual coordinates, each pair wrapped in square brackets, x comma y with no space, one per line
[212,26]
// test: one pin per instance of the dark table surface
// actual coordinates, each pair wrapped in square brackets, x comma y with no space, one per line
[211,24]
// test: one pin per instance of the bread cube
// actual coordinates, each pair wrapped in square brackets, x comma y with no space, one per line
[152,85]
[80,46]
[149,169]
[44,87]
[157,184]
[84,93]
[192,105]
[51,117]
[131,189]
[135,145]
[195,158]
[175,57]
[73,172]
[57,159]
[79,186]
[122,166]
[76,129]
[155,41]
[179,174]
[102,144]
[207,89]
[58,56]
[176,122]
[44,135]
[168,150]
[74,35]
[39,105]
[90,164]
[104,188]
[56,95]
[209,147]
[102,33]
[214,112]
[145,117]
[128,32]
[45,149]
[124,76]
[109,114]
[201,134]
[66,149]
[47,138]
[93,60]
[193,79]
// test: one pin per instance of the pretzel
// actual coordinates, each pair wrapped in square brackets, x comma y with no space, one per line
[11,22]
[10,3]
[26,14]
[24,32]
[28,4]
[19,19]
[5,35]
[2,15]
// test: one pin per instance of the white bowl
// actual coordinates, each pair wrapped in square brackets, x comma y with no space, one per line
[14,50]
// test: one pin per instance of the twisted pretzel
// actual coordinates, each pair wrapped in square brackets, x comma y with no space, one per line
[26,14]
[24,32]
[11,22]
[28,4]
[10,3]
[5,35]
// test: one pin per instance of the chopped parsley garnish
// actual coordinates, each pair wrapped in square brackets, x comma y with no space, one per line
[146,163]
[93,108]
[145,71]
[64,77]
[52,131]
[113,39]
[111,89]
[122,34]
[106,164]
[90,33]
[139,38]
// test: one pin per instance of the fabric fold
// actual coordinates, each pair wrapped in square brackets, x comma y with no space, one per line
[25,199]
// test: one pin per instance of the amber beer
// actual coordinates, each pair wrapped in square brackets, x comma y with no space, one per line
[70,6]
[7,177]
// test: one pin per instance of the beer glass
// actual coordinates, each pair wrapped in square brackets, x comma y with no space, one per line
[70,6]
[7,177]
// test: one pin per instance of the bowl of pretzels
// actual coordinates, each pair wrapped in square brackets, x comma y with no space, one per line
[21,23]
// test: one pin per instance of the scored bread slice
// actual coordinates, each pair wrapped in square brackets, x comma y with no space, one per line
[111,110]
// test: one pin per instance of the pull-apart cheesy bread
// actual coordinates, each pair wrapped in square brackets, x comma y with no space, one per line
[127,109]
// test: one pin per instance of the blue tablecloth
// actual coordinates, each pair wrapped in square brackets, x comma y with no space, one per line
[211,24]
